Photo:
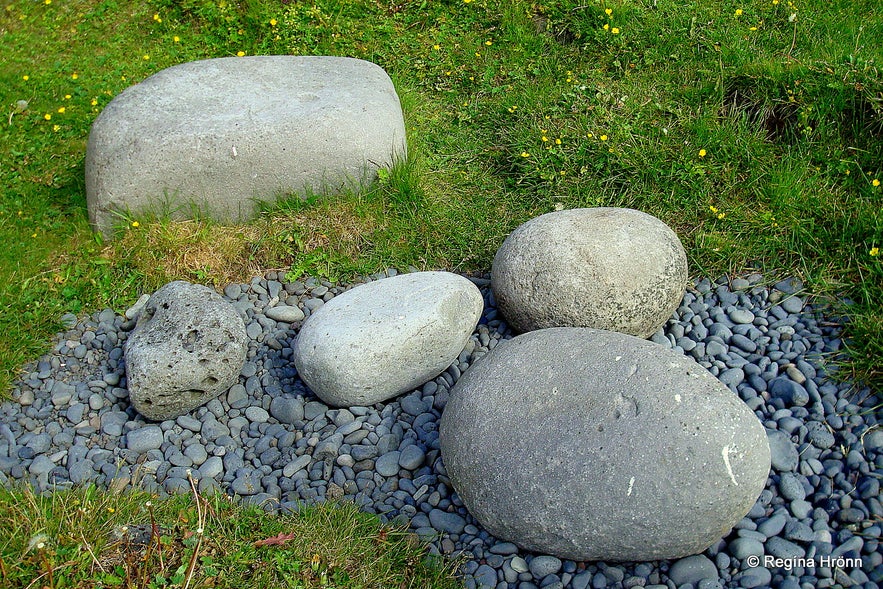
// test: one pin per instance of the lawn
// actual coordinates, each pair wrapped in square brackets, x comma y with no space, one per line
[753,128]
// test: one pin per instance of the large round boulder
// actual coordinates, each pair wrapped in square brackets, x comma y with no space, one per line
[607,268]
[188,347]
[594,445]
[384,338]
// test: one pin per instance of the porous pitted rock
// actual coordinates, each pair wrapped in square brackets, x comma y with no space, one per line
[387,337]
[217,135]
[607,268]
[594,445]
[188,347]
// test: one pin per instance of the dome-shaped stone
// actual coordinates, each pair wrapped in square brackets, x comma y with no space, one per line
[607,268]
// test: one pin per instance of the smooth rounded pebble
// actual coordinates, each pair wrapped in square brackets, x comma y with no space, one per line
[607,268]
[387,337]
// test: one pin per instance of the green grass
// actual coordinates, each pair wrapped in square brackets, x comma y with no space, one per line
[754,129]
[92,539]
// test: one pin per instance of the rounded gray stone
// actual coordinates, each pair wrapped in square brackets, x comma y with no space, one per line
[224,133]
[692,569]
[384,338]
[144,439]
[287,409]
[605,428]
[411,458]
[388,464]
[543,565]
[607,268]
[187,348]
[288,314]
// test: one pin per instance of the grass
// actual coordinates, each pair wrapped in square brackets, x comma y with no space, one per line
[92,539]
[753,128]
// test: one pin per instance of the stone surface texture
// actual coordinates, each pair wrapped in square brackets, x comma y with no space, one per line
[625,451]
[607,268]
[387,337]
[188,347]
[221,134]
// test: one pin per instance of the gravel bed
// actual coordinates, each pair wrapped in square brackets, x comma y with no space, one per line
[270,441]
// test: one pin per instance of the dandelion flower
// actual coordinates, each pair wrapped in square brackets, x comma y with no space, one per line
[738,12]
[74,76]
[606,26]
[176,39]
[48,2]
[94,102]
[875,182]
[488,43]
[26,77]
[56,128]
[145,57]
[47,116]
[846,172]
[615,31]
[61,110]
[608,11]
[775,2]
[111,510]
[467,1]
[157,18]
[875,251]
[273,22]
[545,138]
[752,28]
[557,142]
[721,215]
[712,208]
[603,137]
[525,154]
[135,224]
[702,153]
[67,96]
[436,47]
[240,54]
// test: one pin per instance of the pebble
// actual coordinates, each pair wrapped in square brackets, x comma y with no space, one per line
[270,441]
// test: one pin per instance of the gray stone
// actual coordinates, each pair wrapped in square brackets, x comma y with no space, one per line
[792,304]
[791,488]
[485,577]
[384,338]
[742,548]
[740,316]
[564,402]
[608,268]
[388,464]
[783,453]
[285,313]
[445,521]
[41,465]
[222,134]
[287,409]
[411,458]
[789,391]
[144,439]
[256,414]
[543,565]
[187,348]
[692,570]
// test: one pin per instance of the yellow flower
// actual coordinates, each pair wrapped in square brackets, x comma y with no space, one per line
[25,77]
[111,510]
[466,1]
[721,215]
[738,12]
[712,208]
[557,142]
[135,223]
[145,57]
[606,26]
[847,172]
[47,116]
[74,76]
[752,28]
[240,54]
[615,31]
[603,137]
[61,110]
[273,22]
[56,127]
[875,182]
[436,47]
[608,11]
[48,2]
[590,135]
[176,39]
[67,96]
[525,154]
[875,251]
[94,102]
[775,2]
[488,43]
[157,18]
[545,138]
[702,153]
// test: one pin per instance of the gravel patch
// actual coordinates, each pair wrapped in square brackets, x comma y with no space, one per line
[270,441]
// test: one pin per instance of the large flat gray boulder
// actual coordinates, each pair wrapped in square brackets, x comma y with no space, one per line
[595,445]
[188,347]
[384,338]
[607,268]
[220,134]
